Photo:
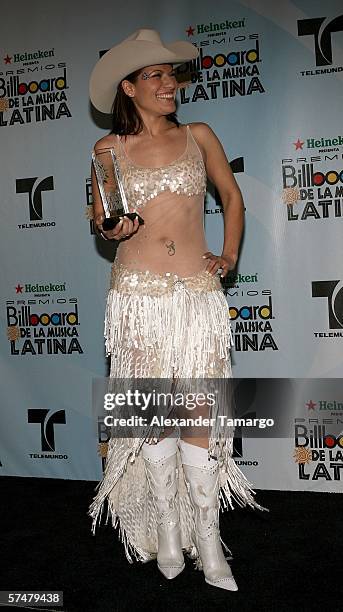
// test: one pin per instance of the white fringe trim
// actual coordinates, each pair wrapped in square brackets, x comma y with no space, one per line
[189,329]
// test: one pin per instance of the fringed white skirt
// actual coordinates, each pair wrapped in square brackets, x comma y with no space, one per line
[162,326]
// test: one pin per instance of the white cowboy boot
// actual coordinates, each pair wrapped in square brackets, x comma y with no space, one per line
[162,474]
[202,479]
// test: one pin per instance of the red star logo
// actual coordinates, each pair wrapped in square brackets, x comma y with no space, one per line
[190,31]
[7,59]
[298,144]
[310,405]
[19,288]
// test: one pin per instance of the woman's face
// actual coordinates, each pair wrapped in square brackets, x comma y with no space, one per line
[154,89]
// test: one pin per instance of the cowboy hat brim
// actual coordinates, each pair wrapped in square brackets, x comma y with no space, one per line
[128,56]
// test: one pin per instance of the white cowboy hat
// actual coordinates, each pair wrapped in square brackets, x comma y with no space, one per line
[143,48]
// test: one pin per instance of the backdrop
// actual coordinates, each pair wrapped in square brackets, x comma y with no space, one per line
[269,83]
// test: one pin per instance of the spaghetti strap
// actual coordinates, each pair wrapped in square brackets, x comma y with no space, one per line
[195,144]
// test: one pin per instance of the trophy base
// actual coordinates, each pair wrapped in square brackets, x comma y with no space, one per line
[110,222]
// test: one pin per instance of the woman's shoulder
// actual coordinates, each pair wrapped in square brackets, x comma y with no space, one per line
[201,131]
[200,127]
[109,140]
[204,136]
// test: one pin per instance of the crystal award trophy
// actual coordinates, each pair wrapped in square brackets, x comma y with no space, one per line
[110,183]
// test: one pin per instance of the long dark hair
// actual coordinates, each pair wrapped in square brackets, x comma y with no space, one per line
[125,117]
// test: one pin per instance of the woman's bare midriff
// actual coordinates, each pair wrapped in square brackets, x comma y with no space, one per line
[172,238]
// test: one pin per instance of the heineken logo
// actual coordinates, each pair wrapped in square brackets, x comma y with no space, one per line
[325,405]
[204,28]
[241,278]
[39,288]
[27,57]
[313,143]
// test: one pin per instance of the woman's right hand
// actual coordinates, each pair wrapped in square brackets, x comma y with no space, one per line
[124,229]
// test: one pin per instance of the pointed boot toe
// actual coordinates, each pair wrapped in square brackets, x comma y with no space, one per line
[229,584]
[171,572]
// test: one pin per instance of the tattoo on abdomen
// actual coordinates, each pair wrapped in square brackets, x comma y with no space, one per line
[171,247]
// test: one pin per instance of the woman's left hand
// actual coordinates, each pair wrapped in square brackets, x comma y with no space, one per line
[216,262]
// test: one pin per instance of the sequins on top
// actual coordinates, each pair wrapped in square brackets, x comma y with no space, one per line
[185,176]
[145,282]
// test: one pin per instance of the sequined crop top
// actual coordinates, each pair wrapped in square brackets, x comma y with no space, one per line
[184,176]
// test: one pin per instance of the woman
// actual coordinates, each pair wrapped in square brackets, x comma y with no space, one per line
[166,316]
